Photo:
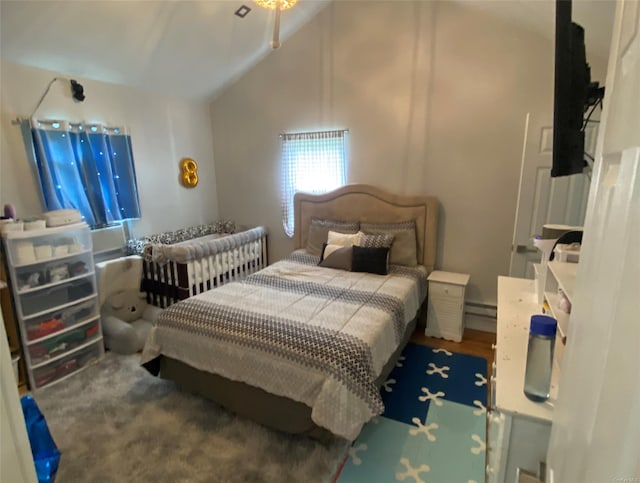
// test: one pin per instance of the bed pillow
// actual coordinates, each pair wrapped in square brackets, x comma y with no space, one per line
[371,260]
[375,240]
[404,247]
[319,230]
[343,239]
[336,256]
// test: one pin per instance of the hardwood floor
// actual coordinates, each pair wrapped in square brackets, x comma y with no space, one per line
[474,343]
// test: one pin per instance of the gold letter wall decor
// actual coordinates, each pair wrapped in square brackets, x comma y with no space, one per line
[189,172]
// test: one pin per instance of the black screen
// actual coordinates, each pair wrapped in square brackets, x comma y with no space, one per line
[572,78]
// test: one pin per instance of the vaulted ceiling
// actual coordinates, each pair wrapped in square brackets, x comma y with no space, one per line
[196,48]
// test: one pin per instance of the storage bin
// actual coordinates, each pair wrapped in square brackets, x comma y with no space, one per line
[34,302]
[55,346]
[57,320]
[66,366]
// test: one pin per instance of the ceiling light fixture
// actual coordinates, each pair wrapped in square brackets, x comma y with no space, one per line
[277,5]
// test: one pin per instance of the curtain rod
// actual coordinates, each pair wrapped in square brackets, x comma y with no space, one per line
[311,132]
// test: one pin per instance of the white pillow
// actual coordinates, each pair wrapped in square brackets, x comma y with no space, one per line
[343,239]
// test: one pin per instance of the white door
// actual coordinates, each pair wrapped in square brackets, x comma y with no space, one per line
[542,199]
[595,435]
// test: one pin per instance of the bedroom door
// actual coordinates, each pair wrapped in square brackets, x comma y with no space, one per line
[542,199]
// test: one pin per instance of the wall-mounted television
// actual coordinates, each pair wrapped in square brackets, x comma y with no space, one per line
[574,94]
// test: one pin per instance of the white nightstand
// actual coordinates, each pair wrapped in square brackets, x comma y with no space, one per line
[445,307]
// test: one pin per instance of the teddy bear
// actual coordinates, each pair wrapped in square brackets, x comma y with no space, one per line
[127,320]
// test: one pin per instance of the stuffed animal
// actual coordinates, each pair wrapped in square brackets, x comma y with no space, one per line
[127,320]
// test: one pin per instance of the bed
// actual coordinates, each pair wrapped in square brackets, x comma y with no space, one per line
[178,265]
[298,347]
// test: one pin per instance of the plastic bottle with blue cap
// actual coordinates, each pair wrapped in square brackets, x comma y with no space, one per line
[542,338]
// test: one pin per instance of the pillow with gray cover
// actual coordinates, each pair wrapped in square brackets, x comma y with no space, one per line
[319,231]
[404,247]
[336,256]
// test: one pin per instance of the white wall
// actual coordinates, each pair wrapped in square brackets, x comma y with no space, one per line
[434,95]
[163,131]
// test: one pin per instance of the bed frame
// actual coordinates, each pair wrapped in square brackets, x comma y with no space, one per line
[172,279]
[349,203]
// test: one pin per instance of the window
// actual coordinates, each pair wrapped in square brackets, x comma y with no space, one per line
[314,162]
[88,168]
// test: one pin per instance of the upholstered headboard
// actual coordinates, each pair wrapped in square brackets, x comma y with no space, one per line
[364,203]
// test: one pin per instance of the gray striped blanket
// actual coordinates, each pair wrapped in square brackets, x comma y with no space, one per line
[316,335]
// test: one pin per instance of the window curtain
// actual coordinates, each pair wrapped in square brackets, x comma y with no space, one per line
[88,167]
[314,162]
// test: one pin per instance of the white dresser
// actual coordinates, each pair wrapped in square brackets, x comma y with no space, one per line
[519,429]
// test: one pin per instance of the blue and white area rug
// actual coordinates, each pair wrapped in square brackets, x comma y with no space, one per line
[433,428]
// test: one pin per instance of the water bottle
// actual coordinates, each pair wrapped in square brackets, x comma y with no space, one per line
[542,338]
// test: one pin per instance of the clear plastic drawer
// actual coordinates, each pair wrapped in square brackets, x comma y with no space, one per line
[50,244]
[44,275]
[56,321]
[61,368]
[52,347]
[34,304]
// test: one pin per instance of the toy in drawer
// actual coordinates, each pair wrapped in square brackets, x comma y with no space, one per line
[52,347]
[55,321]
[65,366]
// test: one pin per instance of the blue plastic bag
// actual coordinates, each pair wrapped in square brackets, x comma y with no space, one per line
[46,456]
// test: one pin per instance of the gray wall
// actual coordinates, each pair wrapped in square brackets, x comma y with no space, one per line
[434,95]
[163,130]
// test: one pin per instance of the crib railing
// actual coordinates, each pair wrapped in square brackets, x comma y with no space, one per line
[203,266]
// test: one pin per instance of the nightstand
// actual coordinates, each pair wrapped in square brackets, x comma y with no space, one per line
[445,306]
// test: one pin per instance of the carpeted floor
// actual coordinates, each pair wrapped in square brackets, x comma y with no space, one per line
[114,422]
[434,425]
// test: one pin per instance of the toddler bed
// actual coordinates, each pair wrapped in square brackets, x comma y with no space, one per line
[178,265]
[299,347]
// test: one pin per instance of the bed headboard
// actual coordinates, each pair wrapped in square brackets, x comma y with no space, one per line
[364,203]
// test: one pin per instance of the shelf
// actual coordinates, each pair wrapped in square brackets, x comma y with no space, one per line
[91,341]
[54,284]
[565,273]
[52,259]
[66,329]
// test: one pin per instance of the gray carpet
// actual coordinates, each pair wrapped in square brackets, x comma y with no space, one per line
[114,422]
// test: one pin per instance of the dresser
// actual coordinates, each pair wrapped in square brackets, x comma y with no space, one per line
[518,429]
[54,290]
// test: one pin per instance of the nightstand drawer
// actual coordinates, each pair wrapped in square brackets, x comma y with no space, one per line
[445,290]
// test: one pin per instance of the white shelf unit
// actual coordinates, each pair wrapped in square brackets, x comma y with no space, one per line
[560,276]
[518,428]
[55,294]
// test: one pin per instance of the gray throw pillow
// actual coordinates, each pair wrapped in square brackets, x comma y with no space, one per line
[404,248]
[319,231]
[339,258]
[375,240]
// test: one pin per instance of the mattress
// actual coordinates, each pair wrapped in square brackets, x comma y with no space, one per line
[315,335]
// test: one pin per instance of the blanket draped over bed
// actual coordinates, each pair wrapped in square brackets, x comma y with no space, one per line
[316,335]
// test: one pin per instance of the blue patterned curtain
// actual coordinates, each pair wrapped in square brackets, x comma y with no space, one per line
[86,167]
